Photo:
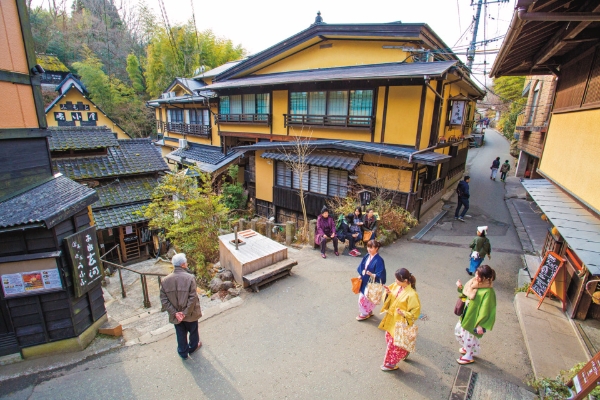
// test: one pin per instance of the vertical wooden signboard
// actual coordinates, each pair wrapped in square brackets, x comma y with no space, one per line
[551,266]
[85,260]
[586,379]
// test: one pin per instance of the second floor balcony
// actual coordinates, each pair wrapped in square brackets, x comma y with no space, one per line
[331,121]
[264,119]
[184,129]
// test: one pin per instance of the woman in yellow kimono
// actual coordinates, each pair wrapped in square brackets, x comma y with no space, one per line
[401,303]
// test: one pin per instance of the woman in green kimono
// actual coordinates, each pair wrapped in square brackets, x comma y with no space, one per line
[479,314]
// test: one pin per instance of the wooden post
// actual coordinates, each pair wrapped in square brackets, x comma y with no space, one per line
[122,246]
[235,237]
[253,224]
[312,227]
[289,232]
[269,229]
[123,293]
[242,224]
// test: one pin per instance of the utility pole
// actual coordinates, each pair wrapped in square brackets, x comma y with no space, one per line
[471,51]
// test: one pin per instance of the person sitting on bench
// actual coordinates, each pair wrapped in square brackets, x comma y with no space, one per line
[326,231]
[369,226]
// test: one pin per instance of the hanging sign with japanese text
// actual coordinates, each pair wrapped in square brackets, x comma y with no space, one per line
[85,260]
[458,112]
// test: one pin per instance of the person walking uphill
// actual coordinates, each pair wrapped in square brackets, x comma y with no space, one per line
[463,198]
[179,298]
[371,266]
[325,232]
[504,170]
[479,314]
[401,304]
[494,168]
[481,247]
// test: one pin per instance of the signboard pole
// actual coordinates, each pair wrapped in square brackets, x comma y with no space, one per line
[551,265]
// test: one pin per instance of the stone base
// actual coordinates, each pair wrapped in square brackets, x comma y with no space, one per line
[67,345]
[111,328]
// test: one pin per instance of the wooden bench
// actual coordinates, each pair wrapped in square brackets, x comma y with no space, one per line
[269,274]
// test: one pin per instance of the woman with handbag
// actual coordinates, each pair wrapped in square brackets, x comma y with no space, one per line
[480,247]
[371,269]
[326,231]
[479,313]
[369,226]
[401,305]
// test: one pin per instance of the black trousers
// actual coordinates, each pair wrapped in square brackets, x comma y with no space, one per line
[182,329]
[461,202]
[324,244]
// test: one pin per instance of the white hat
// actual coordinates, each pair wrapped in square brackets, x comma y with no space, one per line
[482,228]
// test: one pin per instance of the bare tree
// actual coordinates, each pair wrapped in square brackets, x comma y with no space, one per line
[296,159]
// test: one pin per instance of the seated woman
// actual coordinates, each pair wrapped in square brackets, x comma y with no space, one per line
[355,234]
[326,231]
[342,228]
[369,226]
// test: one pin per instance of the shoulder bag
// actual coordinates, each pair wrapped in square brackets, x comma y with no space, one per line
[405,336]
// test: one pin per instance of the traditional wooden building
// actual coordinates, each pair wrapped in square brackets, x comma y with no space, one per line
[124,173]
[385,105]
[559,39]
[532,125]
[72,107]
[54,70]
[50,271]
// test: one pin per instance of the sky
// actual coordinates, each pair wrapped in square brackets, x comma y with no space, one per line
[259,24]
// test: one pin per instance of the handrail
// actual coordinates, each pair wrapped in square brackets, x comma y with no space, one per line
[143,276]
[333,121]
[245,118]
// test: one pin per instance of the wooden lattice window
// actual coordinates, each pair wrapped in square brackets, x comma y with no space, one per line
[592,94]
[572,83]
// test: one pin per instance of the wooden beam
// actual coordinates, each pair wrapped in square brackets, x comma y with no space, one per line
[421,115]
[385,107]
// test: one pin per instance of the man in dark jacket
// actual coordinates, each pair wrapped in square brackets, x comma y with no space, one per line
[179,298]
[463,198]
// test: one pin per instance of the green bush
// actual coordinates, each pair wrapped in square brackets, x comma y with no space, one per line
[233,193]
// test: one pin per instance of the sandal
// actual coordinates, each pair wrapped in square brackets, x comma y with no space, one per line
[323,255]
[462,350]
[362,318]
[463,361]
[389,367]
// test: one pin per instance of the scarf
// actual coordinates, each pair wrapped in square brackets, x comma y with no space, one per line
[470,288]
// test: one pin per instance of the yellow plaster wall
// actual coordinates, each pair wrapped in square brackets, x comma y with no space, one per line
[342,53]
[12,47]
[189,138]
[280,107]
[17,108]
[571,153]
[402,115]
[74,96]
[392,179]
[379,114]
[264,185]
[427,119]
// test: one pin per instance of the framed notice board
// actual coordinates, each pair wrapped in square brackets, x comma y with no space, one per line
[85,260]
[586,379]
[552,265]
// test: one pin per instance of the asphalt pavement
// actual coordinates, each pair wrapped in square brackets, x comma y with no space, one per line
[298,337]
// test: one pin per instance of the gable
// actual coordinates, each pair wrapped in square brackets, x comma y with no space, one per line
[340,53]
[179,90]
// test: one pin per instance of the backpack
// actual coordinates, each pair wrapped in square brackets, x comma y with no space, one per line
[459,191]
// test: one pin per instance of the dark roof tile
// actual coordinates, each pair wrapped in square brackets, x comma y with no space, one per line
[81,138]
[125,191]
[117,216]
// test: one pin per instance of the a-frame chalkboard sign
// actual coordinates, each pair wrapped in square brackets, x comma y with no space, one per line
[551,266]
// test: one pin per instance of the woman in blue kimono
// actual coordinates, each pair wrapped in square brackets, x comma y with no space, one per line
[372,265]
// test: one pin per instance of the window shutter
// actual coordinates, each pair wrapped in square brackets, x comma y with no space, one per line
[318,180]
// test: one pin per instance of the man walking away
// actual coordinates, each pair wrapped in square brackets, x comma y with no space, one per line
[179,298]
[504,170]
[494,168]
[463,198]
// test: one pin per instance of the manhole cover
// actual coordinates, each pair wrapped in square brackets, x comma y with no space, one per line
[463,384]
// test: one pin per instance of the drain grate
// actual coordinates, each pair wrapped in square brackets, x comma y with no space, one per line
[463,384]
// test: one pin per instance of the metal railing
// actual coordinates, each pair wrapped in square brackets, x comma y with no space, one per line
[333,121]
[143,277]
[184,129]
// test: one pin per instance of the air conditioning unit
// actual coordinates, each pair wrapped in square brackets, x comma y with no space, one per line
[182,143]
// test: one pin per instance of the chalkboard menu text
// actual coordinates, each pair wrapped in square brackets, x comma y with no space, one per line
[546,273]
[85,260]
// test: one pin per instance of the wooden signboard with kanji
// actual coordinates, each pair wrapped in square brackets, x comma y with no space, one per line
[549,269]
[586,379]
[85,260]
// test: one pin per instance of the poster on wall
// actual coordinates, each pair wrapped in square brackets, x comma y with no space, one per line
[458,112]
[85,260]
[32,282]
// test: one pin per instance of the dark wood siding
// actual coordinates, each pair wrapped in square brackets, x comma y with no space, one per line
[33,167]
[289,198]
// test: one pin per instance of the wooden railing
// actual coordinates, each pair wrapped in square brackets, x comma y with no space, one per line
[244,119]
[432,189]
[334,121]
[184,129]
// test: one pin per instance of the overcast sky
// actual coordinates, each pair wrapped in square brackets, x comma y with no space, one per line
[259,24]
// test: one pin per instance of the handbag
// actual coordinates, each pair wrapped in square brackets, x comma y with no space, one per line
[374,291]
[367,235]
[405,336]
[356,282]
[459,307]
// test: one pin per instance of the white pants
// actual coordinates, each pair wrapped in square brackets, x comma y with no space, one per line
[494,173]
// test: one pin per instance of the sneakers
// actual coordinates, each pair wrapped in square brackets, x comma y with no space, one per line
[336,254]
[323,255]
[461,219]
[354,253]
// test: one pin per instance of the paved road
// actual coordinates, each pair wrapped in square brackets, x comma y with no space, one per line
[298,338]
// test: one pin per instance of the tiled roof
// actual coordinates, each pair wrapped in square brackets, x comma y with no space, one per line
[121,215]
[125,191]
[48,203]
[339,161]
[355,72]
[131,157]
[81,138]
[217,70]
[207,158]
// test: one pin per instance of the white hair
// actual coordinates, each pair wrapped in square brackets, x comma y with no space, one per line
[179,259]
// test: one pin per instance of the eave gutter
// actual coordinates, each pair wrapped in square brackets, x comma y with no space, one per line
[555,16]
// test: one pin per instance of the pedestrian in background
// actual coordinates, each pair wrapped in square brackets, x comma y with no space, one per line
[401,304]
[504,170]
[480,247]
[179,298]
[325,232]
[479,313]
[463,198]
[372,265]
[494,168]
